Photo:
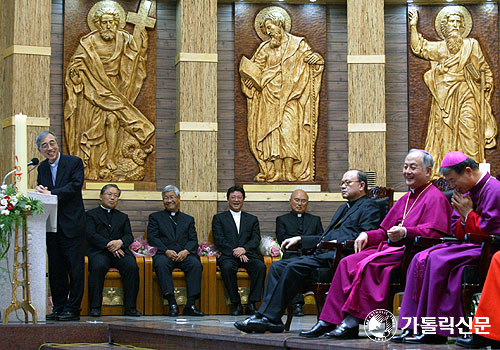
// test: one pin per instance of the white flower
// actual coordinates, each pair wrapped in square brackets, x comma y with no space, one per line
[28,207]
[5,212]
[3,187]
[3,202]
[13,201]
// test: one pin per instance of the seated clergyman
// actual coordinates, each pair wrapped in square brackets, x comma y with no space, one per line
[173,233]
[286,277]
[108,237]
[297,223]
[237,237]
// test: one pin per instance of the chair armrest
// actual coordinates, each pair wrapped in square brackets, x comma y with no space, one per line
[400,243]
[331,245]
[477,238]
[427,242]
[349,244]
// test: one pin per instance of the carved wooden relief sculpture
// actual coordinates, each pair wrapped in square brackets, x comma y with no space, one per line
[103,80]
[461,84]
[281,83]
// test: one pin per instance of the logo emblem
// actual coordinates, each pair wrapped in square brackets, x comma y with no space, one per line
[380,325]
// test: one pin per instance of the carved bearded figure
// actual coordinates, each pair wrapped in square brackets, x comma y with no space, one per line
[282,82]
[103,80]
[460,118]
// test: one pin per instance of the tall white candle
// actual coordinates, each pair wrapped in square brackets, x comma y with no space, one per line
[21,152]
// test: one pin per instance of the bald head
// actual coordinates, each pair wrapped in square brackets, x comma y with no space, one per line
[299,201]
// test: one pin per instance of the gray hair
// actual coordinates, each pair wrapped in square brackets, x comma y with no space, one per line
[170,188]
[43,135]
[427,161]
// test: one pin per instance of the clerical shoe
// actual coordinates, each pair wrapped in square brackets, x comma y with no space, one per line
[173,310]
[250,309]
[425,339]
[52,316]
[254,324]
[400,338]
[132,312]
[68,316]
[95,312]
[321,327]
[477,342]
[237,310]
[192,311]
[297,310]
[343,332]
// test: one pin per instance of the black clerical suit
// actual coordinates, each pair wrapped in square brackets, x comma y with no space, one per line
[175,232]
[286,277]
[65,247]
[103,226]
[292,224]
[226,238]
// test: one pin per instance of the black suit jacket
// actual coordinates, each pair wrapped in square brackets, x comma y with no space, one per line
[287,226]
[161,232]
[68,189]
[100,232]
[364,215]
[226,236]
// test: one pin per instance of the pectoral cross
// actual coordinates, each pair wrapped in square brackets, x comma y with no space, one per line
[141,20]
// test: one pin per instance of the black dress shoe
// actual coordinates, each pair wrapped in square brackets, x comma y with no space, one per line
[173,310]
[343,332]
[477,342]
[95,312]
[237,310]
[68,316]
[425,339]
[321,327]
[297,310]
[250,309]
[259,325]
[132,312]
[52,316]
[399,338]
[192,311]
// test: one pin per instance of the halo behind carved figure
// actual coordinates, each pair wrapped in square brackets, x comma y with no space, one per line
[106,4]
[262,13]
[445,11]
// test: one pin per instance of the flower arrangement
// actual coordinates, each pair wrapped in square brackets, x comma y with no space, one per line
[269,246]
[140,247]
[12,207]
[207,249]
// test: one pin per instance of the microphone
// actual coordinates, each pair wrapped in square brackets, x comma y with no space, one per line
[34,161]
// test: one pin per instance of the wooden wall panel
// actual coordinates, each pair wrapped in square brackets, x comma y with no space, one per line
[396,94]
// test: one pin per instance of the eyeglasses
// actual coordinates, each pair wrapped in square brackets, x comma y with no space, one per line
[112,195]
[51,143]
[347,183]
[301,201]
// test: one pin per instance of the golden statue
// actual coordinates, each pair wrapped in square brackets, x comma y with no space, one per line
[282,82]
[461,83]
[103,78]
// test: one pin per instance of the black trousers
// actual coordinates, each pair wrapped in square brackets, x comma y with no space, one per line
[256,270]
[66,272]
[129,271]
[286,278]
[299,298]
[192,269]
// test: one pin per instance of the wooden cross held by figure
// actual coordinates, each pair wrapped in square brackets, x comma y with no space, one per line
[141,20]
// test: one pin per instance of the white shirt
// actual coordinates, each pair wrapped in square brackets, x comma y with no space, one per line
[236,218]
[53,168]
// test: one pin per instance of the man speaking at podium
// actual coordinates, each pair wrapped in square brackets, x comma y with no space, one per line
[62,175]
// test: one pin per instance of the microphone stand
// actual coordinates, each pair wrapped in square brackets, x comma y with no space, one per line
[9,173]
